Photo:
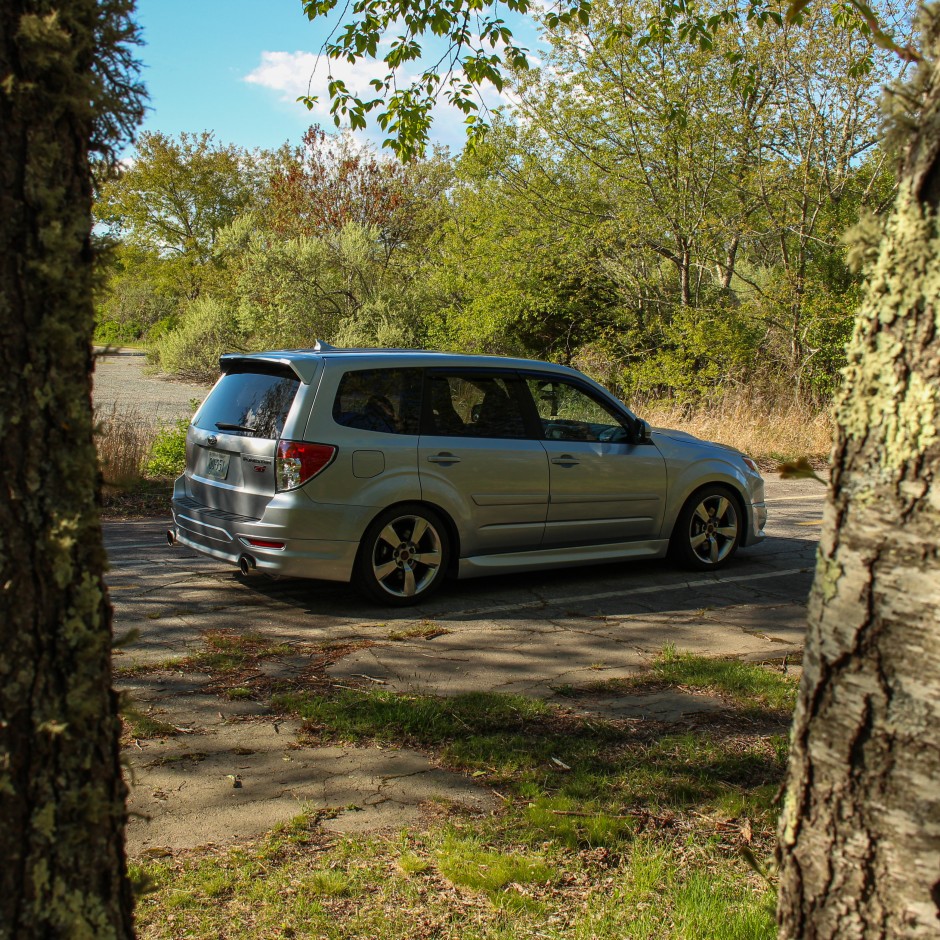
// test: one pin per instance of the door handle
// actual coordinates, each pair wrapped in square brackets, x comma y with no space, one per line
[566,460]
[443,458]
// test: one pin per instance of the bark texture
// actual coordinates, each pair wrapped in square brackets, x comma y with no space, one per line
[62,872]
[859,839]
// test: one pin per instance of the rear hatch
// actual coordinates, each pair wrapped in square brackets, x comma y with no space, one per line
[232,442]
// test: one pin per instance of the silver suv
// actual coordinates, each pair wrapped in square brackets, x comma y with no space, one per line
[396,468]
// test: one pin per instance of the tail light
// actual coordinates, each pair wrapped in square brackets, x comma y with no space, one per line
[297,462]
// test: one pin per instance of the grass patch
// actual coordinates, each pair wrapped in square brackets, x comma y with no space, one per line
[579,783]
[746,684]
[608,829]
[467,862]
[140,725]
[748,687]
[229,652]
[451,884]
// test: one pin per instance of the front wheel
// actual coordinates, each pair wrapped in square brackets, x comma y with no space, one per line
[403,556]
[708,530]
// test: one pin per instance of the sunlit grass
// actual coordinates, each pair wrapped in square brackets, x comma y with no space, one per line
[605,829]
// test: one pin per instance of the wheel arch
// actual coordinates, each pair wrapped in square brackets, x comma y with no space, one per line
[453,535]
[737,491]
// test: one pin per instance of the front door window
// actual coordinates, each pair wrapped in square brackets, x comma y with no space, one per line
[569,414]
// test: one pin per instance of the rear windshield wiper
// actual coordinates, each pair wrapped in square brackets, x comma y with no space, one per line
[225,426]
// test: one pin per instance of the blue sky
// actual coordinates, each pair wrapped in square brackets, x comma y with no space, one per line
[236,67]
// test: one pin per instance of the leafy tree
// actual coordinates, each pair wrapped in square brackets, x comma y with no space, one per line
[858,838]
[520,271]
[69,88]
[336,249]
[742,190]
[171,203]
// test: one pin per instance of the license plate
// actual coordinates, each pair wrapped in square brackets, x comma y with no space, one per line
[216,465]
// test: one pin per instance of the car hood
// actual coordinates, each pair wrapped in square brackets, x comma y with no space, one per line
[683,437]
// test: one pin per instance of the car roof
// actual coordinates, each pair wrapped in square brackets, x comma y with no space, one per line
[304,362]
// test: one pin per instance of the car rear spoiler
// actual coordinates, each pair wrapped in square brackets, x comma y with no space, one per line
[305,369]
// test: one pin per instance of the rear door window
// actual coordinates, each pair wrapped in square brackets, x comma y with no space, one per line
[251,404]
[474,405]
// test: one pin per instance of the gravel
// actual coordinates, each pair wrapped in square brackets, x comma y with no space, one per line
[124,383]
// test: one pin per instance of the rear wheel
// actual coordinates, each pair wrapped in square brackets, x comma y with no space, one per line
[403,556]
[708,530]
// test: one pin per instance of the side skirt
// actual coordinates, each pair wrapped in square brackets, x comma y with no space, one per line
[477,566]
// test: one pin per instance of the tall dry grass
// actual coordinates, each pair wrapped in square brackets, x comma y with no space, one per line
[767,431]
[123,437]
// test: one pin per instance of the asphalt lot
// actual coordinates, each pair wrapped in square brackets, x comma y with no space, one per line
[514,633]
[540,635]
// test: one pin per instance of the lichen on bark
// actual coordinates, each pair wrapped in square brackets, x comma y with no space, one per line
[859,842]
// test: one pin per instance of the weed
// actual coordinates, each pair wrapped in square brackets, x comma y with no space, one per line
[424,631]
[230,652]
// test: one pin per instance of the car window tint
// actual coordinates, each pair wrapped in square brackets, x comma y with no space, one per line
[383,400]
[473,406]
[252,404]
[567,413]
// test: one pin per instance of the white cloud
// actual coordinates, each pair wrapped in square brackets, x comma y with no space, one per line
[293,74]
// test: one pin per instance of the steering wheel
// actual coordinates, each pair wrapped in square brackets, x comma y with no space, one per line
[562,429]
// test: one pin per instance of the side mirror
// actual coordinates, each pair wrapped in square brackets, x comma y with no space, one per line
[644,433]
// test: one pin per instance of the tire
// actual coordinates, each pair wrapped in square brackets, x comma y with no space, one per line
[708,530]
[393,568]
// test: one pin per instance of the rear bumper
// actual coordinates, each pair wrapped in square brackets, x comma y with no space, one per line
[224,535]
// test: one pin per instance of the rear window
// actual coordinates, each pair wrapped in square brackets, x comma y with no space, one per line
[249,403]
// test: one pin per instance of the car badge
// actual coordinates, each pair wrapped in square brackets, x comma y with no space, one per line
[260,469]
[213,440]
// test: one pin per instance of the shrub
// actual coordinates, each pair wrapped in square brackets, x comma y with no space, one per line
[167,457]
[191,350]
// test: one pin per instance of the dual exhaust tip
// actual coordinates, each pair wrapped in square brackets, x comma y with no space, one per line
[246,564]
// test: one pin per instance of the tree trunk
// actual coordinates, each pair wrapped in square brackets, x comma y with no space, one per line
[860,831]
[62,872]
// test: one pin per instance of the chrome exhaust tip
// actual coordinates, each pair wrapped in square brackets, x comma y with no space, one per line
[170,537]
[246,565]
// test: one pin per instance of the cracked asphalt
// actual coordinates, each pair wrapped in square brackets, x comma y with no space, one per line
[234,770]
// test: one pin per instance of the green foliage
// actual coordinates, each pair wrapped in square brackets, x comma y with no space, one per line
[699,351]
[480,51]
[166,210]
[167,457]
[637,213]
[206,330]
